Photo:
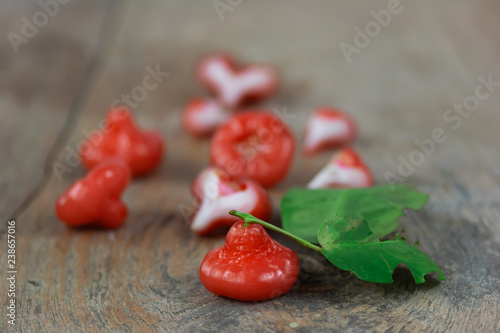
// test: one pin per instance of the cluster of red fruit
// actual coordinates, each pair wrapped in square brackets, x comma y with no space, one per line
[114,155]
[250,151]
[253,149]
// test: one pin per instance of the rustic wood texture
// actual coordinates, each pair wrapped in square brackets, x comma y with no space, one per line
[144,277]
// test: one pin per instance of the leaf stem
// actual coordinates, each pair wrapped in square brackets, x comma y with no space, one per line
[252,219]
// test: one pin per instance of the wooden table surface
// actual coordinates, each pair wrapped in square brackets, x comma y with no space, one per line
[58,79]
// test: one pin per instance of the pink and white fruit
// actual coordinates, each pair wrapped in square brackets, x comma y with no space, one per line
[345,170]
[202,116]
[326,128]
[217,194]
[236,85]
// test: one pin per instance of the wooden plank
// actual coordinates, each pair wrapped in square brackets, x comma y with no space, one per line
[43,82]
[144,277]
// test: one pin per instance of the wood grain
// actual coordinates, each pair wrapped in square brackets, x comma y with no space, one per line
[144,277]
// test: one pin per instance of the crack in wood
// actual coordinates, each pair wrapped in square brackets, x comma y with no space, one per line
[109,24]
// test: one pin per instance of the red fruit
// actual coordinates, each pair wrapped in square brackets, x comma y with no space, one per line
[121,138]
[236,85]
[202,117]
[326,128]
[254,145]
[250,266]
[95,199]
[346,169]
[217,194]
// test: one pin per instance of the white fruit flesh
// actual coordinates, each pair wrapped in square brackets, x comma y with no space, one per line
[322,129]
[335,175]
[214,208]
[231,86]
[210,116]
[216,205]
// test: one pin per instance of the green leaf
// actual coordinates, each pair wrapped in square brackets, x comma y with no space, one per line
[348,244]
[344,229]
[303,211]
